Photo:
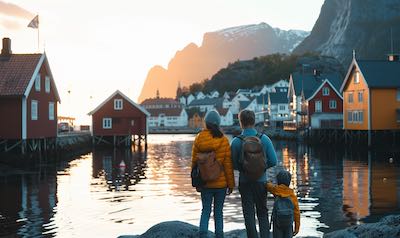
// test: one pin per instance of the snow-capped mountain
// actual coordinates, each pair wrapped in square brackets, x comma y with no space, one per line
[196,63]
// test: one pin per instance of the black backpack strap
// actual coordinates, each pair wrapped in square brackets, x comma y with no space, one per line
[241,137]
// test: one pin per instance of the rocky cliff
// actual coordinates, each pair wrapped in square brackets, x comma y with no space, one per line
[362,25]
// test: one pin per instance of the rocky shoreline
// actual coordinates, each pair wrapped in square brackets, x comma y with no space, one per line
[387,227]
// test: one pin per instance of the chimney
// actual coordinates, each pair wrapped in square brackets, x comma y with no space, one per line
[393,57]
[6,50]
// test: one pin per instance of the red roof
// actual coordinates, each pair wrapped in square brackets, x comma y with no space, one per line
[16,72]
[222,111]
[169,112]
[159,101]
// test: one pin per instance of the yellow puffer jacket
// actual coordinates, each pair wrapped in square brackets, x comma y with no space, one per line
[206,142]
[284,191]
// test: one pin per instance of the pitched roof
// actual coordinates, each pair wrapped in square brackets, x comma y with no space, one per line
[169,112]
[278,97]
[326,81]
[126,98]
[244,104]
[16,72]
[262,99]
[207,101]
[222,111]
[308,83]
[159,101]
[380,74]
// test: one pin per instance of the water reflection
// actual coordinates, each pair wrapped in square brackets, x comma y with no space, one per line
[113,192]
[120,169]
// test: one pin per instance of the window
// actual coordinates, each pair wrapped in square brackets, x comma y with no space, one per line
[282,107]
[350,116]
[325,91]
[47,84]
[350,99]
[398,94]
[357,77]
[34,110]
[51,111]
[332,104]
[107,123]
[318,106]
[360,96]
[398,115]
[118,104]
[37,83]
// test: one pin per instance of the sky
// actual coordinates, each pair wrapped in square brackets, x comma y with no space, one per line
[95,47]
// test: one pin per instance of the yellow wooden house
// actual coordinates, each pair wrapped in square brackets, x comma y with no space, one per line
[371,95]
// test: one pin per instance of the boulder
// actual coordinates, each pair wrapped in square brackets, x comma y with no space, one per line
[387,227]
[175,229]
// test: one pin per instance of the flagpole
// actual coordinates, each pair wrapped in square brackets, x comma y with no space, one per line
[38,38]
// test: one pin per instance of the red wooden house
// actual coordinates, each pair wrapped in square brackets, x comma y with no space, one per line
[325,107]
[28,96]
[120,118]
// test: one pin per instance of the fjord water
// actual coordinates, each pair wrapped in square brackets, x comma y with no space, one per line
[98,195]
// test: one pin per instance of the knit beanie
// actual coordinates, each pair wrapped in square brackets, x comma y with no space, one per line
[213,117]
[284,177]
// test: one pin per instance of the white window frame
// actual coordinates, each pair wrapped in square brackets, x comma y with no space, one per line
[350,98]
[37,83]
[332,104]
[118,104]
[318,108]
[51,111]
[325,91]
[349,116]
[398,95]
[47,84]
[360,96]
[34,110]
[107,123]
[357,77]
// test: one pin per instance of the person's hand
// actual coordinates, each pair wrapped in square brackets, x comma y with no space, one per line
[229,191]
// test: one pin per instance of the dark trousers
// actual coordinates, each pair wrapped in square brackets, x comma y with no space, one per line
[282,232]
[254,201]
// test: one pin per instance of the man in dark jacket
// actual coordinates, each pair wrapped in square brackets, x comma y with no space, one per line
[253,195]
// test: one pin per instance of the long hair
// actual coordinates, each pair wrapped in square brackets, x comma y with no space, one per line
[215,130]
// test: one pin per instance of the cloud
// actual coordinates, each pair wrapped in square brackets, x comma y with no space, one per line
[10,24]
[10,9]
[13,17]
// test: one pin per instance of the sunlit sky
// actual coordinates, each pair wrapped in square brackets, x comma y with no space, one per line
[95,47]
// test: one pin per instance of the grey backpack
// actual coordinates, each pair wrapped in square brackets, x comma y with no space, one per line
[283,212]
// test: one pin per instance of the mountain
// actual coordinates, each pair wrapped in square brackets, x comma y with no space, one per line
[268,70]
[362,25]
[195,63]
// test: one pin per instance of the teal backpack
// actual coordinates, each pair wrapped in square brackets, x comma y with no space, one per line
[282,213]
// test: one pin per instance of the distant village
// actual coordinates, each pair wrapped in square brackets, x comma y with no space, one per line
[366,99]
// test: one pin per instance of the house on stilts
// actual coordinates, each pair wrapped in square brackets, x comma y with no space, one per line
[28,101]
[118,121]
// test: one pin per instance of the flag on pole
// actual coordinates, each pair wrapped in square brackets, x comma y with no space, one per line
[34,23]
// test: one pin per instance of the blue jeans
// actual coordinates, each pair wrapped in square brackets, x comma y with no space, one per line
[207,196]
[253,195]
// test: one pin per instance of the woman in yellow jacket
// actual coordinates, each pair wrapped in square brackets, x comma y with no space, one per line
[212,139]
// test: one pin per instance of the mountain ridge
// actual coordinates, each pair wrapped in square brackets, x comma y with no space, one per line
[195,63]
